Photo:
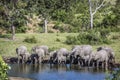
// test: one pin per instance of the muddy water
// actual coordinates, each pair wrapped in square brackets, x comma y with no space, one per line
[55,72]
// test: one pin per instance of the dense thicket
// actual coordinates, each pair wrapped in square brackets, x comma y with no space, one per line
[68,15]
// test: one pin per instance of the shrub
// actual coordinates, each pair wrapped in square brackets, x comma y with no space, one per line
[57,39]
[30,39]
[104,32]
[70,40]
[90,37]
[3,70]
[115,75]
[52,49]
[115,37]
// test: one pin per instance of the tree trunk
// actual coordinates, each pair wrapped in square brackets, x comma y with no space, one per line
[91,14]
[45,26]
[13,32]
[91,21]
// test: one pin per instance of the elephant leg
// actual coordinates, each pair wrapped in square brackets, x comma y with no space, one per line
[79,63]
[59,61]
[82,62]
[35,60]
[72,61]
[97,64]
[18,59]
[51,60]
[39,60]
[93,64]
[55,60]
[65,62]
[89,61]
[22,59]
[102,65]
[106,65]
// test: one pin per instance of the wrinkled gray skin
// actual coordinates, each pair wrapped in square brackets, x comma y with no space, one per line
[22,54]
[61,55]
[44,47]
[81,54]
[38,54]
[91,58]
[102,56]
[110,52]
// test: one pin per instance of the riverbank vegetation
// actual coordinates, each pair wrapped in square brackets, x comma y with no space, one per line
[53,41]
[3,70]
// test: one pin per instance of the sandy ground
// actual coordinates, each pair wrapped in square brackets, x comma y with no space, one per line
[18,78]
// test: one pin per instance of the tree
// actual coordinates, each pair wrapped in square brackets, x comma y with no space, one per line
[94,6]
[13,13]
[117,12]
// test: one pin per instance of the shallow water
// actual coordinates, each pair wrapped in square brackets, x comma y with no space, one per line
[55,72]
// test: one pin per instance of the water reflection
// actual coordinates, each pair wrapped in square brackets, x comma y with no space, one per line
[55,72]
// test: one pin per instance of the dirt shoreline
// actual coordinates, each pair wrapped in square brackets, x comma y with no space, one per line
[18,78]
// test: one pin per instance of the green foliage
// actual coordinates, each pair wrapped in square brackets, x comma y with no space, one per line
[90,37]
[30,39]
[63,27]
[3,70]
[74,13]
[115,75]
[21,29]
[58,40]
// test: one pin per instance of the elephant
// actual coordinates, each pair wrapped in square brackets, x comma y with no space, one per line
[52,56]
[91,58]
[22,54]
[81,54]
[61,56]
[44,47]
[37,55]
[110,52]
[102,56]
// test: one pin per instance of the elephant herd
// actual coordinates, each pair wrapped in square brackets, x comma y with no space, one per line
[82,55]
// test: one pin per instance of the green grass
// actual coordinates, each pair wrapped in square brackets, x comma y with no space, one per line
[52,40]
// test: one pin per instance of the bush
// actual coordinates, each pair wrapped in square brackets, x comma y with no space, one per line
[115,75]
[58,40]
[116,37]
[90,37]
[3,70]
[71,39]
[30,39]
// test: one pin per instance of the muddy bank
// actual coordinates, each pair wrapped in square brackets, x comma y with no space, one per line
[18,78]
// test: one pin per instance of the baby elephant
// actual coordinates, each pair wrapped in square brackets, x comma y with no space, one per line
[22,54]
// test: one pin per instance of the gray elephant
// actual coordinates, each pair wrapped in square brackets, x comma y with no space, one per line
[110,52]
[22,54]
[61,56]
[102,56]
[44,47]
[91,59]
[81,54]
[37,55]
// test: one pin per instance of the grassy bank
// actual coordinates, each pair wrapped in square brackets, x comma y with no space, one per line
[52,40]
